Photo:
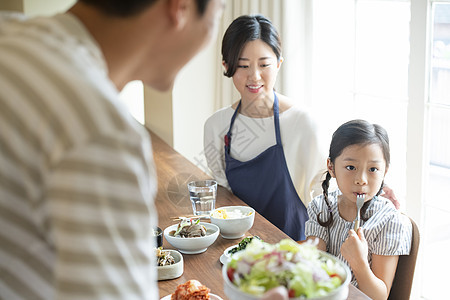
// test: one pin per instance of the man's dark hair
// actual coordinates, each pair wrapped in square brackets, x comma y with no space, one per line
[126,8]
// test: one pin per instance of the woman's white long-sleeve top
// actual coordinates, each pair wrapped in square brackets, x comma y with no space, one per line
[304,145]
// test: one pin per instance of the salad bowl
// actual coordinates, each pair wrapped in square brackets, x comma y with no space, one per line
[257,267]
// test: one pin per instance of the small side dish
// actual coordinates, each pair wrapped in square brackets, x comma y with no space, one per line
[225,257]
[191,289]
[164,257]
[157,232]
[170,264]
[186,242]
[189,228]
[243,244]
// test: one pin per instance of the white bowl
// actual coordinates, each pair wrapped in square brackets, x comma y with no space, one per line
[172,271]
[193,245]
[234,228]
[341,293]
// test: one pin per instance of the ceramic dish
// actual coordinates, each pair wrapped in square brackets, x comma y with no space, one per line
[233,227]
[193,245]
[172,271]
[158,233]
[340,293]
[225,256]
[211,297]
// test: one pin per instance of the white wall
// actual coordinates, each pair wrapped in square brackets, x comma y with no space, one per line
[47,7]
[37,7]
[159,113]
[193,103]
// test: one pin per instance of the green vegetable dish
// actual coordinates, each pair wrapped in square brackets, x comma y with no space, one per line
[242,244]
[302,269]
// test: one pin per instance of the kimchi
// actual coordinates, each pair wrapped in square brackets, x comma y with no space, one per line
[191,290]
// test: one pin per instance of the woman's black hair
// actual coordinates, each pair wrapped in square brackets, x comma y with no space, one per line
[127,8]
[355,132]
[245,29]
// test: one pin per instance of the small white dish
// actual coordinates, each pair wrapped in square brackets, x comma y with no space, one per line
[172,271]
[236,227]
[211,297]
[225,257]
[193,245]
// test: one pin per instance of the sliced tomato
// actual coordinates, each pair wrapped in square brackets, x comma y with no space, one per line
[291,293]
[230,273]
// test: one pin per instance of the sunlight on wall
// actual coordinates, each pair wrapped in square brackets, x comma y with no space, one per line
[133,96]
[360,70]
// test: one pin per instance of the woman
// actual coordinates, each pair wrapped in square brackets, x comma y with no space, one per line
[265,149]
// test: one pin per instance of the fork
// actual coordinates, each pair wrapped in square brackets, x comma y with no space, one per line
[359,204]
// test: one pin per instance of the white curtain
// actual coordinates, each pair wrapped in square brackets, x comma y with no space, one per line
[290,19]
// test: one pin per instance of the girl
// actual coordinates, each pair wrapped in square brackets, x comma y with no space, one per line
[271,156]
[359,159]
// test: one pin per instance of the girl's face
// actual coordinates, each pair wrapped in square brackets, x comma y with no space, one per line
[257,71]
[360,169]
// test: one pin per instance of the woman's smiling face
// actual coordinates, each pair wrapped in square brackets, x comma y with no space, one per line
[257,71]
[360,169]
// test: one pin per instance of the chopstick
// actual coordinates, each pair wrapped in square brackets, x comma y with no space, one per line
[189,217]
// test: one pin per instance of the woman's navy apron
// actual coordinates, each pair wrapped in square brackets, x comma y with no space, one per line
[264,183]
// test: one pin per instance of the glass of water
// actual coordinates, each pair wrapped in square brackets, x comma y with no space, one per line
[203,196]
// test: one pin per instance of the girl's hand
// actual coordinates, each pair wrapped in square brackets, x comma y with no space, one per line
[355,249]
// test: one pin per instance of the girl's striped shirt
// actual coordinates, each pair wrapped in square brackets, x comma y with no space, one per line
[387,231]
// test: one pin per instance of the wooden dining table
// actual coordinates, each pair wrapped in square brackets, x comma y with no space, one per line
[174,171]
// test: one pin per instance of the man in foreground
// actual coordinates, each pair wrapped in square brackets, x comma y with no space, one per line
[77,179]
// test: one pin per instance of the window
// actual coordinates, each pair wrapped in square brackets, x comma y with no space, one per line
[133,97]
[436,234]
[362,55]
[360,70]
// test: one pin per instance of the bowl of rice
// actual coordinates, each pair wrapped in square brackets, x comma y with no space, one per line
[233,221]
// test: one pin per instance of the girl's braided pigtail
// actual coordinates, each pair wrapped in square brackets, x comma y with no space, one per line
[325,185]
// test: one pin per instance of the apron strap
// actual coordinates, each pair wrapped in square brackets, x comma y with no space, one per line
[227,137]
[276,118]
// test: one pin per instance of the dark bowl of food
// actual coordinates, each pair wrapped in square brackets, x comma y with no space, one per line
[158,233]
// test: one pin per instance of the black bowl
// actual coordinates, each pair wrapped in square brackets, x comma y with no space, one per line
[159,236]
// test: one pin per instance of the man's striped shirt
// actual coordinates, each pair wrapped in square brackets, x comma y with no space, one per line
[76,171]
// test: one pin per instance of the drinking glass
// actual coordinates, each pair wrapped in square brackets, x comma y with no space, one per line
[203,196]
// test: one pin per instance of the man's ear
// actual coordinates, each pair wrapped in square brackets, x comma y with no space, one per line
[330,167]
[179,12]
